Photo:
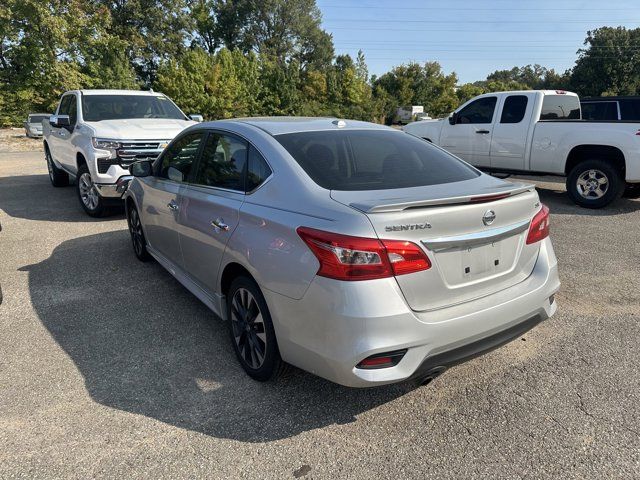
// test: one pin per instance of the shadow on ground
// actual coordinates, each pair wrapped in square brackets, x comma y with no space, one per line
[145,345]
[32,197]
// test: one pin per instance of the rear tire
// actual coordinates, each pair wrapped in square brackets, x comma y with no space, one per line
[91,201]
[58,177]
[252,334]
[594,184]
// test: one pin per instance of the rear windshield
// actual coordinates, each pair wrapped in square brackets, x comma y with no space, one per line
[116,107]
[560,107]
[373,160]
[37,118]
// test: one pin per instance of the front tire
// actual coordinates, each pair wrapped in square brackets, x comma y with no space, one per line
[90,199]
[252,333]
[58,177]
[594,184]
[138,239]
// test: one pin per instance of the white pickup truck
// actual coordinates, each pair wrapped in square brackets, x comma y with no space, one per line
[95,135]
[541,132]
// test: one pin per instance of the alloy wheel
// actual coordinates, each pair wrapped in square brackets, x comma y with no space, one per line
[248,328]
[135,227]
[592,184]
[88,192]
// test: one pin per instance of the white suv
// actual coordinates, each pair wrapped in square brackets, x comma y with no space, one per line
[96,135]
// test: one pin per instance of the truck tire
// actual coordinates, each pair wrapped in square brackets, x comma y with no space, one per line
[91,201]
[59,178]
[595,183]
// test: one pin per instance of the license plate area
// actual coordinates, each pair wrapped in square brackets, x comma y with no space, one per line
[481,261]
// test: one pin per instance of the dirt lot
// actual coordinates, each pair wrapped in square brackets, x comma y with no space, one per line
[14,140]
[109,368]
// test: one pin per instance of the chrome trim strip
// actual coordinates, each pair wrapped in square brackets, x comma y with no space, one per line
[477,238]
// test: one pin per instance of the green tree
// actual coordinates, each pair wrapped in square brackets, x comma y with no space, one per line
[609,64]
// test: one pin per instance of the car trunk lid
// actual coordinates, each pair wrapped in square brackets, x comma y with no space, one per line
[476,241]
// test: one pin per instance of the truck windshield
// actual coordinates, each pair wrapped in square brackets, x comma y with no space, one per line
[373,160]
[115,107]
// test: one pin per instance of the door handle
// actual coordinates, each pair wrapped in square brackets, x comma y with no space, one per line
[173,206]
[483,132]
[219,223]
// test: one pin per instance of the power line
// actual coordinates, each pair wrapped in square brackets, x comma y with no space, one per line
[497,20]
[465,30]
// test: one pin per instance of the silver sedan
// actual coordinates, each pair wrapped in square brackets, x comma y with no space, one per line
[351,250]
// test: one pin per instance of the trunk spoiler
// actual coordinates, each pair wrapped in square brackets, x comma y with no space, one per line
[393,206]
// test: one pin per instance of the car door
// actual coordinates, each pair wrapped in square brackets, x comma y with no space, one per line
[510,132]
[470,136]
[161,202]
[210,206]
[67,135]
[60,135]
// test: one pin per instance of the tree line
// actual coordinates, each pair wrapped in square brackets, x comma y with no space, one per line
[228,58]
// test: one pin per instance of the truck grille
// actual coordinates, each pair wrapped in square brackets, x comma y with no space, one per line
[132,151]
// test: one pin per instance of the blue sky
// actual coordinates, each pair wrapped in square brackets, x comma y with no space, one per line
[470,37]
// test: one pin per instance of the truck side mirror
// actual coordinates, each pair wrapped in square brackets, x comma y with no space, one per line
[59,121]
[453,119]
[196,118]
[142,168]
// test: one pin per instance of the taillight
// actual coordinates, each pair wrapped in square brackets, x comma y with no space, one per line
[343,257]
[539,229]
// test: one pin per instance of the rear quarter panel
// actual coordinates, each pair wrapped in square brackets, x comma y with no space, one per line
[553,141]
[427,129]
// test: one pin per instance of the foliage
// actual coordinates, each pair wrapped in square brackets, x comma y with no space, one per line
[227,58]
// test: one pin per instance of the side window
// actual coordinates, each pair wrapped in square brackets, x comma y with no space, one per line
[223,162]
[514,109]
[179,157]
[560,107]
[73,110]
[258,170]
[64,105]
[480,111]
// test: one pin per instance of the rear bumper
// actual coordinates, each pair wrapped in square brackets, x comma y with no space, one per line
[338,324]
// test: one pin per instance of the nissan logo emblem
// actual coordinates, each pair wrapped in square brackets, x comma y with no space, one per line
[489,217]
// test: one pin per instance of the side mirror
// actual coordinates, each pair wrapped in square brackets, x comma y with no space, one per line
[59,121]
[142,168]
[453,119]
[196,118]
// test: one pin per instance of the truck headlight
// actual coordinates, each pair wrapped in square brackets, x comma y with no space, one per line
[105,143]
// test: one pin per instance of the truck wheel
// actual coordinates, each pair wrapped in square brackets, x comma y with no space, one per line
[252,333]
[59,178]
[137,235]
[91,201]
[594,184]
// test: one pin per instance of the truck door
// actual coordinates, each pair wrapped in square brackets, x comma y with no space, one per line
[58,134]
[470,136]
[509,140]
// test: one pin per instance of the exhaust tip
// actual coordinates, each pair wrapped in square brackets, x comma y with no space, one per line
[431,375]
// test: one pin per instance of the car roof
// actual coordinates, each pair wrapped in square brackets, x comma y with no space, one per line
[282,125]
[120,92]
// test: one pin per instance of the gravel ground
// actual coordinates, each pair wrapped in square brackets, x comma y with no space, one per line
[15,140]
[109,368]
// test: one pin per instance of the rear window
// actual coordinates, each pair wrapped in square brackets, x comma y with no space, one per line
[373,160]
[600,110]
[560,107]
[37,118]
[630,109]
